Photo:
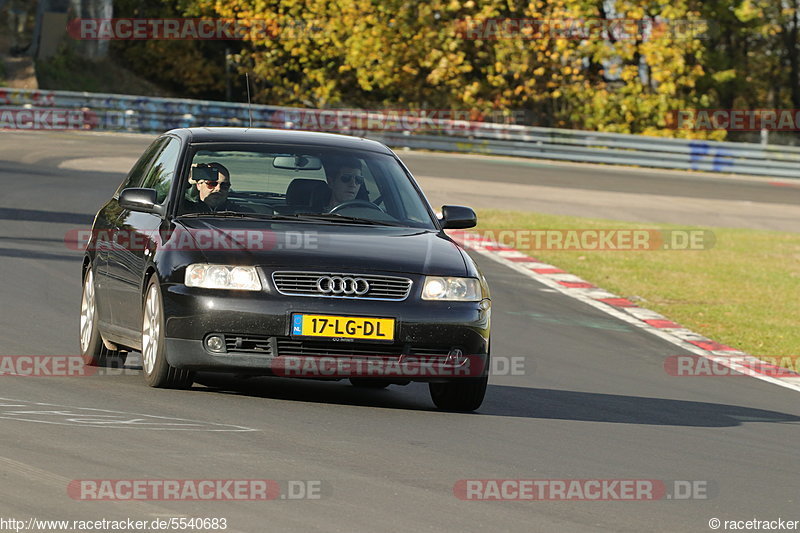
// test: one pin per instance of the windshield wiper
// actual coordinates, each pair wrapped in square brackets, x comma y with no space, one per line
[232,214]
[299,217]
[336,217]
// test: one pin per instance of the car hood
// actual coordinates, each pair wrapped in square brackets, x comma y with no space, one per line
[332,247]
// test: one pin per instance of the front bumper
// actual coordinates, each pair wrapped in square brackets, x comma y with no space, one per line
[257,327]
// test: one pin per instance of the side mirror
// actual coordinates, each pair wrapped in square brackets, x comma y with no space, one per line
[458,217]
[142,200]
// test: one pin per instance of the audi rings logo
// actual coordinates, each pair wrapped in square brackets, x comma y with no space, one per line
[339,285]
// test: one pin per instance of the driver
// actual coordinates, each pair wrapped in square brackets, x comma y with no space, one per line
[345,181]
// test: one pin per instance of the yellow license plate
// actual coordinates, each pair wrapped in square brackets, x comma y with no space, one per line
[343,327]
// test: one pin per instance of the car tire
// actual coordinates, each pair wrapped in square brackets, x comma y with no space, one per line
[93,350]
[156,370]
[463,395]
[366,383]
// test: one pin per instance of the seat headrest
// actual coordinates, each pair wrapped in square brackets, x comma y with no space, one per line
[314,193]
[300,190]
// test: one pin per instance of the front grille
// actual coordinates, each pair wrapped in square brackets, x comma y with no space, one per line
[305,284]
[294,347]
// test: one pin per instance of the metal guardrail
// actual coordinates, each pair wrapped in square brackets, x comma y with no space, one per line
[111,112]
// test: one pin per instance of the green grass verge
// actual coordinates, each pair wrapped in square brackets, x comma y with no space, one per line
[742,292]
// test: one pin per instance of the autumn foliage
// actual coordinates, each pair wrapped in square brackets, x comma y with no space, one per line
[623,76]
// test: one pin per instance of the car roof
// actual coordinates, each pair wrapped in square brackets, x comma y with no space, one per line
[264,135]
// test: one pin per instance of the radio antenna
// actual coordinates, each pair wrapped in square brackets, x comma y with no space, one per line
[249,104]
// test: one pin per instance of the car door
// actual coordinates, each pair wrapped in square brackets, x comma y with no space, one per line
[136,241]
[106,226]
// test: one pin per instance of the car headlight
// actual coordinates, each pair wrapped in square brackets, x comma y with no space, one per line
[452,289]
[240,278]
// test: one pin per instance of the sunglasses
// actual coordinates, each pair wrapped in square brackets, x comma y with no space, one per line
[347,178]
[213,184]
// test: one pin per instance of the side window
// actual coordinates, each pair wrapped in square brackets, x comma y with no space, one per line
[159,176]
[402,202]
[136,175]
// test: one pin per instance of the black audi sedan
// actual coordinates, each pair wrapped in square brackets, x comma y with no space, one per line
[274,252]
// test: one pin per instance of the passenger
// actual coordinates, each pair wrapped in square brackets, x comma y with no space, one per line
[213,181]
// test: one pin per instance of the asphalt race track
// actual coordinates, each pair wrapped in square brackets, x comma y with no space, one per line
[593,402]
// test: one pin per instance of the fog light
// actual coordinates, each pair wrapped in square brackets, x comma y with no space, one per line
[215,343]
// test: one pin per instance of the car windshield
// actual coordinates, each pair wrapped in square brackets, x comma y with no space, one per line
[303,183]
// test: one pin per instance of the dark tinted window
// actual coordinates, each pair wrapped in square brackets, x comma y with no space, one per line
[161,171]
[136,175]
